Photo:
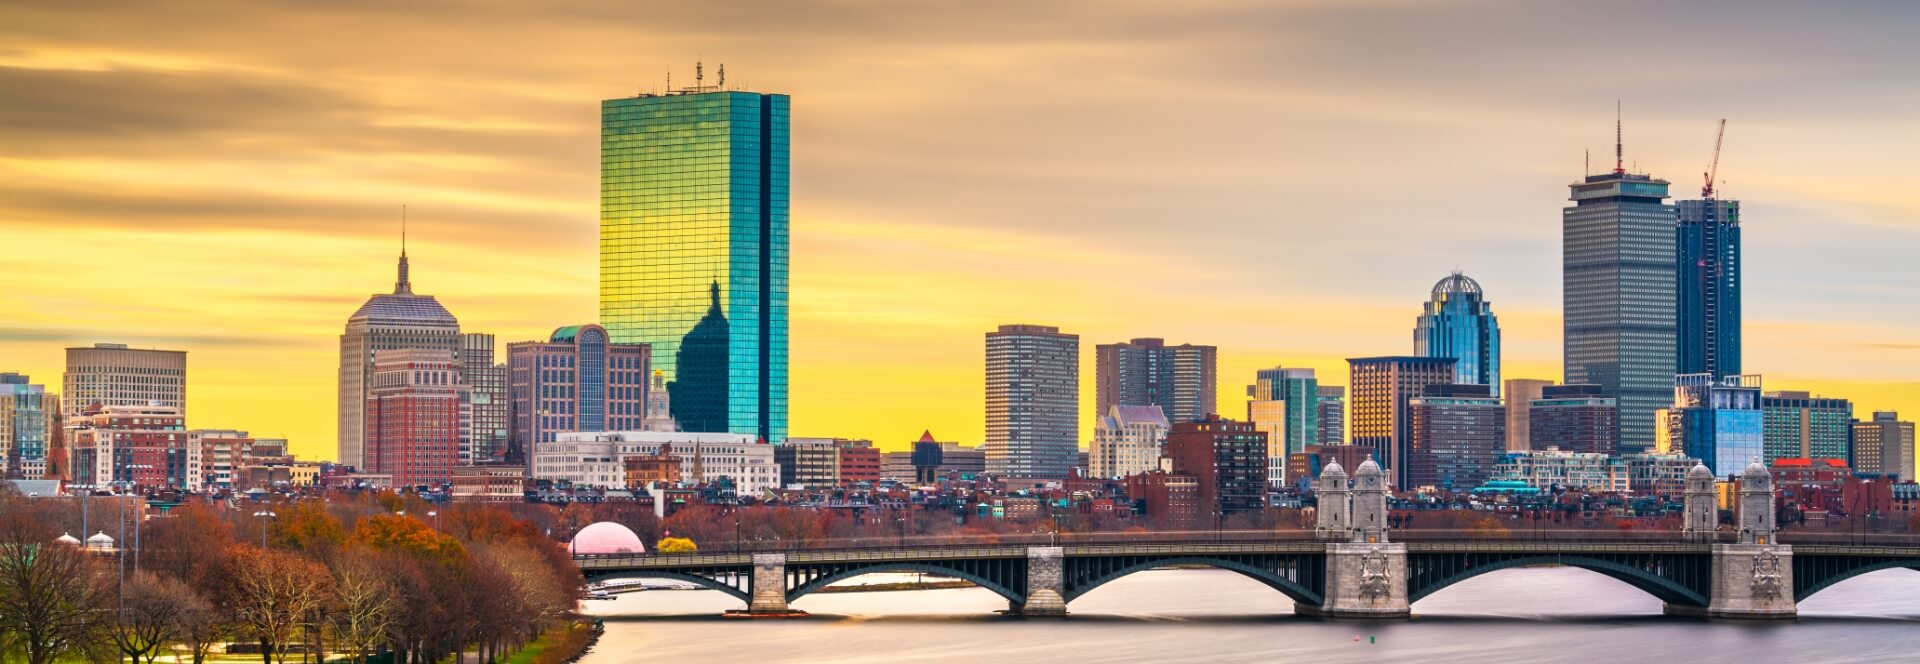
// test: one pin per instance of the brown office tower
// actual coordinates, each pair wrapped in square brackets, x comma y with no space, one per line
[1379,390]
[1228,457]
[1147,372]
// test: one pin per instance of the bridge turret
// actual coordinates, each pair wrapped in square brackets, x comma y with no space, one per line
[1369,513]
[1701,518]
[1756,505]
[1333,513]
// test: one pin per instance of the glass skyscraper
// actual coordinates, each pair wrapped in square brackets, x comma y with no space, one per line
[1285,404]
[1707,263]
[1716,419]
[1458,322]
[693,249]
[1618,296]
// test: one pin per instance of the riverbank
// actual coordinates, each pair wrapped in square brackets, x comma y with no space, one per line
[564,644]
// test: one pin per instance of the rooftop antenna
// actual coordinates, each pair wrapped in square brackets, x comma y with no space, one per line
[1619,162]
[669,79]
[699,74]
[403,285]
[723,75]
[1586,167]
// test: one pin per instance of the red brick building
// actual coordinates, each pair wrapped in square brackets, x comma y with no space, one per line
[413,416]
[1171,500]
[1229,459]
[140,447]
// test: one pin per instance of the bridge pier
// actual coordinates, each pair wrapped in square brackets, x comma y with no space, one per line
[769,584]
[1363,581]
[1749,581]
[1046,584]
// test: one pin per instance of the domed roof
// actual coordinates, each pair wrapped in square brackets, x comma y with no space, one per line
[65,538]
[1456,283]
[1755,471]
[100,540]
[606,537]
[1699,470]
[1333,469]
[1368,468]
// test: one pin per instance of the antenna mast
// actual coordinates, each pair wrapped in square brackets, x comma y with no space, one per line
[1619,161]
[1713,167]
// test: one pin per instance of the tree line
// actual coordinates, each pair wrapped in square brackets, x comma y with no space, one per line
[292,581]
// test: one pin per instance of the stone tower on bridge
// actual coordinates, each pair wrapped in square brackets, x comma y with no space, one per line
[1333,513]
[1701,517]
[1366,576]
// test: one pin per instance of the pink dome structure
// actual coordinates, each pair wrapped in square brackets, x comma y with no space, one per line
[606,537]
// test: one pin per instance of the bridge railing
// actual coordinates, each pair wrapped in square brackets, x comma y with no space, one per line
[1021,540]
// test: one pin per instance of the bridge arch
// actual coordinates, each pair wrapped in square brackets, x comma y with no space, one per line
[823,580]
[710,583]
[1665,588]
[1814,577]
[1075,587]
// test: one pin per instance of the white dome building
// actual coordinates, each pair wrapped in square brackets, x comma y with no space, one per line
[100,542]
[606,538]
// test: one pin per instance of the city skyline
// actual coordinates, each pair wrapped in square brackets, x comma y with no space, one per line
[895,273]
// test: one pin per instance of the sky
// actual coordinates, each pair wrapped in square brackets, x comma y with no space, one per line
[1285,180]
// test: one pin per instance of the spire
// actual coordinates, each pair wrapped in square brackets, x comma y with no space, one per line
[715,292]
[403,285]
[1619,159]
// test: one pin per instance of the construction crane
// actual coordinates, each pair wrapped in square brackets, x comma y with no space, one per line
[1713,167]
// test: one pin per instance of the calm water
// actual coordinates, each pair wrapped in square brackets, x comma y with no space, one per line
[1520,615]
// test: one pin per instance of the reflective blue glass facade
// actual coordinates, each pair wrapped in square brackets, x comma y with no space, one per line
[1707,272]
[1458,322]
[1718,420]
[694,249]
[1617,249]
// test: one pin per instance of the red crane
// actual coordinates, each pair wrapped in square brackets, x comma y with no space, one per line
[1713,167]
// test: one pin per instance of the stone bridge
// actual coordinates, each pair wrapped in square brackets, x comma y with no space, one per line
[1352,569]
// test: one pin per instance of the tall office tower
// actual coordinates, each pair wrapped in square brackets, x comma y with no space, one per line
[413,416]
[1707,262]
[693,249]
[1799,425]
[1456,433]
[1285,405]
[576,380]
[1574,418]
[390,321]
[1520,393]
[483,431]
[115,375]
[1333,420]
[1128,441]
[1884,445]
[1458,322]
[1147,372]
[131,447]
[1715,419]
[24,418]
[1033,397]
[1228,457]
[1381,388]
[1617,248]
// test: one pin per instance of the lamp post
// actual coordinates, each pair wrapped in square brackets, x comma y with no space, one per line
[264,515]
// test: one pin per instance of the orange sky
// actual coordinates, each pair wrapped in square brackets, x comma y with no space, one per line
[1285,181]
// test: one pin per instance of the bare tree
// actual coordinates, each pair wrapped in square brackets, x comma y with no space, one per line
[364,602]
[201,626]
[51,595]
[150,615]
[276,595]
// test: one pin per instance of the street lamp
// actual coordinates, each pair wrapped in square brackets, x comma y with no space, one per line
[268,514]
[435,516]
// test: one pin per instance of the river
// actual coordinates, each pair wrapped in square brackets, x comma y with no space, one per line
[1554,614]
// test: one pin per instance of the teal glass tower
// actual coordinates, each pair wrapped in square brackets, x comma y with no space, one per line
[1458,322]
[693,249]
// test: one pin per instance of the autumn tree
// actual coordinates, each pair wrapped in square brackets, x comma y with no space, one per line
[307,527]
[51,594]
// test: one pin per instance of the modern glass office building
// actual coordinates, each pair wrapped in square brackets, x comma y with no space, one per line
[1618,296]
[1285,404]
[1458,322]
[693,249]
[1716,419]
[1707,272]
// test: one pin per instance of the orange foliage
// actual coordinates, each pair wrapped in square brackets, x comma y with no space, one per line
[399,532]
